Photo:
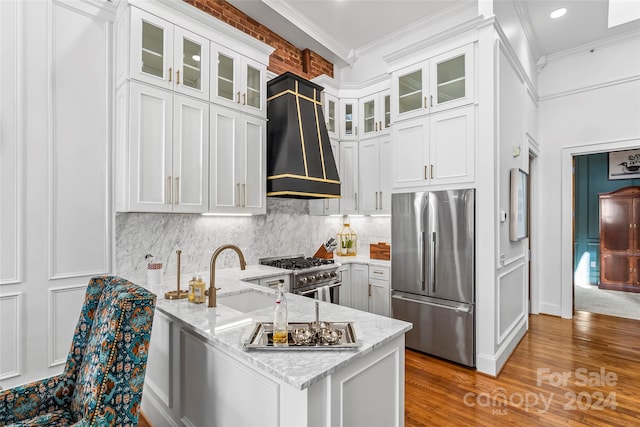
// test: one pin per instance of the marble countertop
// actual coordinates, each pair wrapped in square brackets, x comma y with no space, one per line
[300,369]
[361,259]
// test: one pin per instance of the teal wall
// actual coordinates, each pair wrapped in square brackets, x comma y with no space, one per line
[591,178]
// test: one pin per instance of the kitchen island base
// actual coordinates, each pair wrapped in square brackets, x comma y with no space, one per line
[192,382]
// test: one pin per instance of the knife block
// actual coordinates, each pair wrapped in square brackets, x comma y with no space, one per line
[322,253]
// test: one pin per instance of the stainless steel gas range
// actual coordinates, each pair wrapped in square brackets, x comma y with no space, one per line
[310,275]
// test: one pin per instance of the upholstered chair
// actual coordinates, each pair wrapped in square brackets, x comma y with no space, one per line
[101,384]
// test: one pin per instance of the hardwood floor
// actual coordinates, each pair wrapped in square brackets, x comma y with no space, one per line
[584,371]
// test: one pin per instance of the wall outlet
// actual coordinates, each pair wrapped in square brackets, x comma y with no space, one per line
[592,264]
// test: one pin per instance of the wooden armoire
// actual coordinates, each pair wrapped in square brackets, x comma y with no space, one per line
[620,239]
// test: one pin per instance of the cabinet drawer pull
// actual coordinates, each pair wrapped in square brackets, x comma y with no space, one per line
[170,73]
[380,195]
[431,102]
[425,173]
[431,171]
[244,195]
[369,289]
[376,200]
[177,77]
[244,99]
[425,102]
[238,97]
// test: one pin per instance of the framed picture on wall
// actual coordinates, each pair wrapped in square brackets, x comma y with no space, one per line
[624,164]
[518,224]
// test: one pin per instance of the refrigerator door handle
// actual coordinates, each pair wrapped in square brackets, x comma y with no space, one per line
[432,259]
[457,308]
[422,263]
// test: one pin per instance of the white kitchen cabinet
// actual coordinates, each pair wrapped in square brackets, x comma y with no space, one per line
[349,177]
[166,152]
[379,290]
[330,107]
[344,275]
[328,206]
[348,119]
[359,287]
[237,162]
[168,56]
[375,114]
[435,149]
[237,81]
[442,82]
[375,175]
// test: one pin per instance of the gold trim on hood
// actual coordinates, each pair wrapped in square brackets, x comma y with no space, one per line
[300,193]
[306,178]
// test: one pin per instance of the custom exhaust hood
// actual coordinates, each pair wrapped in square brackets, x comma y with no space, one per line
[300,162]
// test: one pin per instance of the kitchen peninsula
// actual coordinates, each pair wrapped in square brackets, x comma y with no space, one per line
[199,373]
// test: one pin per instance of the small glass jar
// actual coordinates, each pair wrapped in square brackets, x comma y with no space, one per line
[198,291]
[347,240]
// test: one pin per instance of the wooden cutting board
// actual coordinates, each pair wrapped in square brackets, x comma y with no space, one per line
[380,250]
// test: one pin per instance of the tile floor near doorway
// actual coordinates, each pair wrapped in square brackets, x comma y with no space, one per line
[613,303]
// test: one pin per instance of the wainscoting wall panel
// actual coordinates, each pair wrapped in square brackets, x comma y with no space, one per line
[10,329]
[65,304]
[79,156]
[10,135]
[511,300]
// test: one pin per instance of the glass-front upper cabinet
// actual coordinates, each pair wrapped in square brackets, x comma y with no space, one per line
[330,104]
[237,81]
[442,82]
[168,56]
[375,113]
[191,62]
[452,80]
[348,118]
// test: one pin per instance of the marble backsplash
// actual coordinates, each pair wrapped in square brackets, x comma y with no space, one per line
[286,229]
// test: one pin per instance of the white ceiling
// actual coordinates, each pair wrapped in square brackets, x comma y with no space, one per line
[337,28]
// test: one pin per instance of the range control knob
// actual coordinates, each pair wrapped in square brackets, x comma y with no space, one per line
[325,275]
[312,278]
[333,274]
[302,280]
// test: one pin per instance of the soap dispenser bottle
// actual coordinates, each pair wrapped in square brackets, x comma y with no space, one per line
[280,323]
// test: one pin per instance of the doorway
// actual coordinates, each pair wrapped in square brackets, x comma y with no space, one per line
[572,264]
[591,179]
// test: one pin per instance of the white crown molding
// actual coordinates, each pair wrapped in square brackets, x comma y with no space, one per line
[527,26]
[456,9]
[308,27]
[513,57]
[629,35]
[456,30]
[589,88]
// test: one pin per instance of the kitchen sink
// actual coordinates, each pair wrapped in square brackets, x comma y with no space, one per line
[247,302]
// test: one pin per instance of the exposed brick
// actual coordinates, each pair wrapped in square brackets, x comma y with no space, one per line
[285,57]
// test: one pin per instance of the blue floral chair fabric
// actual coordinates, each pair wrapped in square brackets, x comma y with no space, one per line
[101,384]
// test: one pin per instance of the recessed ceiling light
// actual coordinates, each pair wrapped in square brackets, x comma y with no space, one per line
[558,12]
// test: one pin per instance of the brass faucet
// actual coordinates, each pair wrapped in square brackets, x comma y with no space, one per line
[212,270]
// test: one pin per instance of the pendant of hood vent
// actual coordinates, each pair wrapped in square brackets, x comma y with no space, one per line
[300,162]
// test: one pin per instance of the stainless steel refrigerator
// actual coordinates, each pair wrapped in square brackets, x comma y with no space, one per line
[433,271]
